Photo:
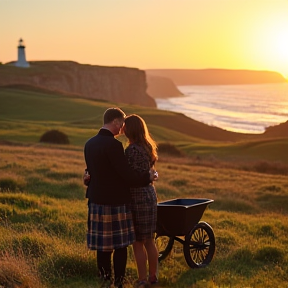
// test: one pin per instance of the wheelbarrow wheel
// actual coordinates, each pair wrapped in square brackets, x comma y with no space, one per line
[164,245]
[199,245]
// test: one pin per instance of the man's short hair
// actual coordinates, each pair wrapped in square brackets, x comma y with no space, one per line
[113,113]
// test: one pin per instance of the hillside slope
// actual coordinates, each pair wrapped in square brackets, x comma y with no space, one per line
[217,76]
[187,126]
[18,104]
[280,130]
[26,114]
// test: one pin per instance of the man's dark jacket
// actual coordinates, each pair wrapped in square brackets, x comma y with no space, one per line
[111,176]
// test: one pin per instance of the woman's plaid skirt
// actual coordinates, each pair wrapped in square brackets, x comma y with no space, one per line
[144,211]
[109,227]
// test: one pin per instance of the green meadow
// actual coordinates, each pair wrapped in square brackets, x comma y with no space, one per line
[43,207]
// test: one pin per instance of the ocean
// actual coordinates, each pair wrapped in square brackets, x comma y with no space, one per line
[237,108]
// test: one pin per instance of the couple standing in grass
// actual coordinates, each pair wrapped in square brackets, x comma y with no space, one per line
[122,201]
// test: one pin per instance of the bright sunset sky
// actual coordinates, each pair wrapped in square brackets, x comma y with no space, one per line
[146,34]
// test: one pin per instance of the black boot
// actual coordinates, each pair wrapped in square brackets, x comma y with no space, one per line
[104,267]
[119,261]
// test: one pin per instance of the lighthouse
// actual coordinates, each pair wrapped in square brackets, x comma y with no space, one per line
[21,62]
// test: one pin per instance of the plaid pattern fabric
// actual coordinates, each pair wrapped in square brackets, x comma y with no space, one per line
[144,199]
[109,227]
[144,211]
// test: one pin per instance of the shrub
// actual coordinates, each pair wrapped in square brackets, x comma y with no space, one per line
[15,271]
[232,205]
[270,254]
[29,246]
[270,168]
[66,265]
[179,182]
[5,212]
[243,254]
[169,149]
[70,190]
[265,231]
[8,184]
[54,137]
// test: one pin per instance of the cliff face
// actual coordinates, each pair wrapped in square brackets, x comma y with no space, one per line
[116,84]
[217,76]
[161,87]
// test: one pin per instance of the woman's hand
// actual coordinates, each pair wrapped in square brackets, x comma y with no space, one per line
[86,177]
[153,174]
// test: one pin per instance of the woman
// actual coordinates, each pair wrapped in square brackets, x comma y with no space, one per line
[142,155]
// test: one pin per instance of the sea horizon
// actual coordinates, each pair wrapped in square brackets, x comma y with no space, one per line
[237,108]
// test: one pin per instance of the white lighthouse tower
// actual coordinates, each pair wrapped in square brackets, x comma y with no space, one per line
[21,62]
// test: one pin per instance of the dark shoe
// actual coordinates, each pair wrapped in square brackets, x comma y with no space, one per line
[142,284]
[119,283]
[153,279]
[105,281]
[106,284]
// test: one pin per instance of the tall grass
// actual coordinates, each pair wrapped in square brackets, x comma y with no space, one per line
[43,222]
[43,208]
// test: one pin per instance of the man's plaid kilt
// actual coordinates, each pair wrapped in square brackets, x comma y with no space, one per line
[109,227]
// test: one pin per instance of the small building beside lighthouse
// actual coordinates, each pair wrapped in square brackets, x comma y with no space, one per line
[21,62]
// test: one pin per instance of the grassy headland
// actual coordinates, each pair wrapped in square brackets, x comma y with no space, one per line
[43,205]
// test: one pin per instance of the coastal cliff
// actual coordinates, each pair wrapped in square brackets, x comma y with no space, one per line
[115,84]
[217,76]
[161,87]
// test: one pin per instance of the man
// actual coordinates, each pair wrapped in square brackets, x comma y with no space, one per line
[110,226]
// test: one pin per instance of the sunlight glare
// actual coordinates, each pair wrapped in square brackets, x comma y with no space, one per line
[279,43]
[271,44]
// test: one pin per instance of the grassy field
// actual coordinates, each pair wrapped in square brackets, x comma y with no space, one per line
[25,115]
[43,207]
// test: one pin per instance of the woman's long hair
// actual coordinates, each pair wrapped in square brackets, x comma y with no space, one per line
[137,132]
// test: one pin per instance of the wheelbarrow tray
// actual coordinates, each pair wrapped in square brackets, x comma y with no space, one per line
[177,217]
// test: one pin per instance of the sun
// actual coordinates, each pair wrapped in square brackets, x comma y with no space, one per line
[277,47]
[270,44]
[279,43]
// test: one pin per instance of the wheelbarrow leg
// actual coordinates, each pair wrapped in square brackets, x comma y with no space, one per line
[164,245]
